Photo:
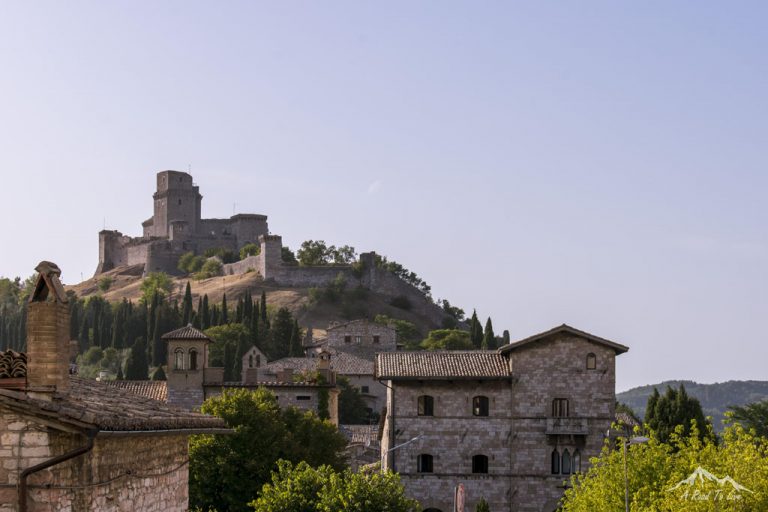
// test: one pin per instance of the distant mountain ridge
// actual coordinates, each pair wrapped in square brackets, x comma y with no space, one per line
[715,398]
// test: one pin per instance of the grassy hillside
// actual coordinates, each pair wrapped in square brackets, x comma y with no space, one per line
[715,398]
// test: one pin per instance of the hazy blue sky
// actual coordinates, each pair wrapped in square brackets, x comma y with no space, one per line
[601,164]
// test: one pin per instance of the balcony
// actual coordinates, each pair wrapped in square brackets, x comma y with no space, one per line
[567,426]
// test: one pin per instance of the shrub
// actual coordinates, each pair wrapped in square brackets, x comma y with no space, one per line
[105,283]
[211,268]
[249,250]
[225,255]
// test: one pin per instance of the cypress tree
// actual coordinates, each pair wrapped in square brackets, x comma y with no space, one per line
[263,307]
[186,310]
[475,331]
[489,338]
[295,343]
[505,336]
[224,312]
[136,366]
[205,318]
[158,347]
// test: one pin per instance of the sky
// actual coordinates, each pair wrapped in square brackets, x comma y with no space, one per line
[600,164]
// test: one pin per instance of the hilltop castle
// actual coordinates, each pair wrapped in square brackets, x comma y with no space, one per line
[175,228]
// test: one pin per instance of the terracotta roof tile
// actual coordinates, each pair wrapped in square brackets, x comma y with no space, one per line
[154,389]
[441,365]
[186,333]
[92,404]
[13,365]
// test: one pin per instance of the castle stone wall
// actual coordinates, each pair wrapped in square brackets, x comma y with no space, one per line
[251,263]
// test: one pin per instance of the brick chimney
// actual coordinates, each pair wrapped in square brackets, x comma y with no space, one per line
[48,345]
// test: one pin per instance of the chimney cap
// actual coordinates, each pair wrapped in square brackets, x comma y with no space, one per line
[47,282]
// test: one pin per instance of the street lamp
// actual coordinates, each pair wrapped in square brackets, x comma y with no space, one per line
[626,442]
[397,447]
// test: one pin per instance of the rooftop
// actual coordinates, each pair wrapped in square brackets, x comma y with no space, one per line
[154,389]
[186,333]
[441,365]
[564,329]
[97,405]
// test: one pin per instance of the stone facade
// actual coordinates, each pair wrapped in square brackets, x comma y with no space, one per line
[119,474]
[551,403]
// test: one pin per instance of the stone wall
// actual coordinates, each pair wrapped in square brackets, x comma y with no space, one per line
[365,330]
[249,264]
[132,473]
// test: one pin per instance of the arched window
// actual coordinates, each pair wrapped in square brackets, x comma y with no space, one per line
[480,406]
[192,359]
[250,361]
[424,463]
[479,464]
[576,464]
[555,462]
[178,360]
[566,465]
[559,407]
[591,361]
[426,405]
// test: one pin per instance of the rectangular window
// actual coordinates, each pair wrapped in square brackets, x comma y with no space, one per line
[347,339]
[376,339]
[560,407]
[364,389]
[358,339]
[303,397]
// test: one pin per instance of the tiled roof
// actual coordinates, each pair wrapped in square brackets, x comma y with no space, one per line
[564,329]
[90,404]
[342,363]
[186,333]
[441,365]
[154,389]
[13,365]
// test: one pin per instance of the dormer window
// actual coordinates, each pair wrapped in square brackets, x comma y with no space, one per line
[591,361]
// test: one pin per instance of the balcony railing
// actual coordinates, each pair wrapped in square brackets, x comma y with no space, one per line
[567,426]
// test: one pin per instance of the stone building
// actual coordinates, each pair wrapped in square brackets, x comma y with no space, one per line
[511,425]
[176,227]
[191,379]
[72,444]
[353,346]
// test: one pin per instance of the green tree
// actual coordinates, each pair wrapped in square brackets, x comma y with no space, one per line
[343,255]
[249,250]
[136,366]
[475,331]
[280,332]
[654,469]
[313,253]
[352,407]
[295,349]
[211,268]
[227,472]
[155,282]
[158,374]
[186,306]
[489,338]
[665,412]
[301,488]
[482,506]
[752,416]
[447,339]
[105,283]
[288,256]
[505,337]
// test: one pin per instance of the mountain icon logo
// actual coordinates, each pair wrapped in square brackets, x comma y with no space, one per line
[701,476]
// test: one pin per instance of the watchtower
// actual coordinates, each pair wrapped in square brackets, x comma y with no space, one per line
[177,199]
[187,360]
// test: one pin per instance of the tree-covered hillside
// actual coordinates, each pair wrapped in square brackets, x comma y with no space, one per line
[715,398]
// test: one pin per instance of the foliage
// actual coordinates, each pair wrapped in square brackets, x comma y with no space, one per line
[475,331]
[231,342]
[189,263]
[752,416]
[675,407]
[225,255]
[226,472]
[301,488]
[655,468]
[137,366]
[482,506]
[158,283]
[158,374]
[447,339]
[402,302]
[489,339]
[288,256]
[715,399]
[404,274]
[407,333]
[314,253]
[211,268]
[352,407]
[105,283]
[249,250]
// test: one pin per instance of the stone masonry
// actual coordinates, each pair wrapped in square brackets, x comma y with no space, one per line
[549,402]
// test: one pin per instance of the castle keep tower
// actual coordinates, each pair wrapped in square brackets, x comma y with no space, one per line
[177,199]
